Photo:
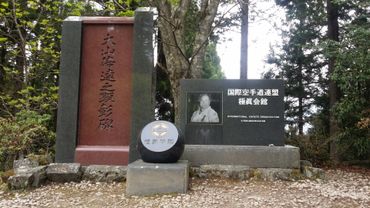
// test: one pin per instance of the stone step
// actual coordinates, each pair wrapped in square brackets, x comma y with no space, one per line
[253,156]
[145,179]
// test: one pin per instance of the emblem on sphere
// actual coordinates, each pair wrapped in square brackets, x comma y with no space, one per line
[160,130]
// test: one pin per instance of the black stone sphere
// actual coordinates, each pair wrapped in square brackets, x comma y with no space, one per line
[160,142]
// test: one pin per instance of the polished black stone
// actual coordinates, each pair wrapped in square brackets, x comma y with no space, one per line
[143,71]
[244,117]
[160,142]
[69,84]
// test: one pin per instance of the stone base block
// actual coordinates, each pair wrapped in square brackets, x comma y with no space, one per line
[39,176]
[105,173]
[272,174]
[64,172]
[20,181]
[27,177]
[313,173]
[157,178]
[102,155]
[238,172]
[253,156]
[24,163]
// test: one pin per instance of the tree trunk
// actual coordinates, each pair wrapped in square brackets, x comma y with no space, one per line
[300,100]
[20,66]
[300,116]
[2,64]
[333,34]
[244,4]
[171,20]
[208,11]
[175,90]
[196,65]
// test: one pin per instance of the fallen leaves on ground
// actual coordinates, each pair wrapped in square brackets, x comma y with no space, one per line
[343,188]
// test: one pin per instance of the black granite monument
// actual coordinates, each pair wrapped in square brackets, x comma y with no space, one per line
[232,112]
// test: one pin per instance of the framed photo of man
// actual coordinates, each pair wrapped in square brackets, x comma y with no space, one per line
[204,108]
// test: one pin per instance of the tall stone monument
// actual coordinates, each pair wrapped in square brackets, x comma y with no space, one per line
[235,122]
[106,64]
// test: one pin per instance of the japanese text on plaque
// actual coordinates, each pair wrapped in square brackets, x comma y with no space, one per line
[253,96]
[106,91]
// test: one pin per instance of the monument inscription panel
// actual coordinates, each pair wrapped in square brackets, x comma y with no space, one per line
[105,86]
[236,112]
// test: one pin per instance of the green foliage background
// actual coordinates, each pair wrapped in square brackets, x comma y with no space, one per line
[353,77]
[303,64]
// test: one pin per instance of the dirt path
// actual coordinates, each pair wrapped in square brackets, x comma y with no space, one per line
[342,189]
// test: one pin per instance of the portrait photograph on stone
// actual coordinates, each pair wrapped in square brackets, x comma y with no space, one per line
[204,107]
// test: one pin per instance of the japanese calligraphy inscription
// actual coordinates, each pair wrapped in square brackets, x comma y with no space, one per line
[106,94]
[105,90]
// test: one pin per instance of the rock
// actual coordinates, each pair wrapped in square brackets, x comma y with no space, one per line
[83,168]
[272,174]
[27,177]
[39,176]
[195,172]
[5,175]
[24,163]
[313,173]
[64,172]
[240,172]
[304,163]
[22,181]
[244,172]
[105,173]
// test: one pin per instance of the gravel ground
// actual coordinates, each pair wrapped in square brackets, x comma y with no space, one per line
[343,188]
